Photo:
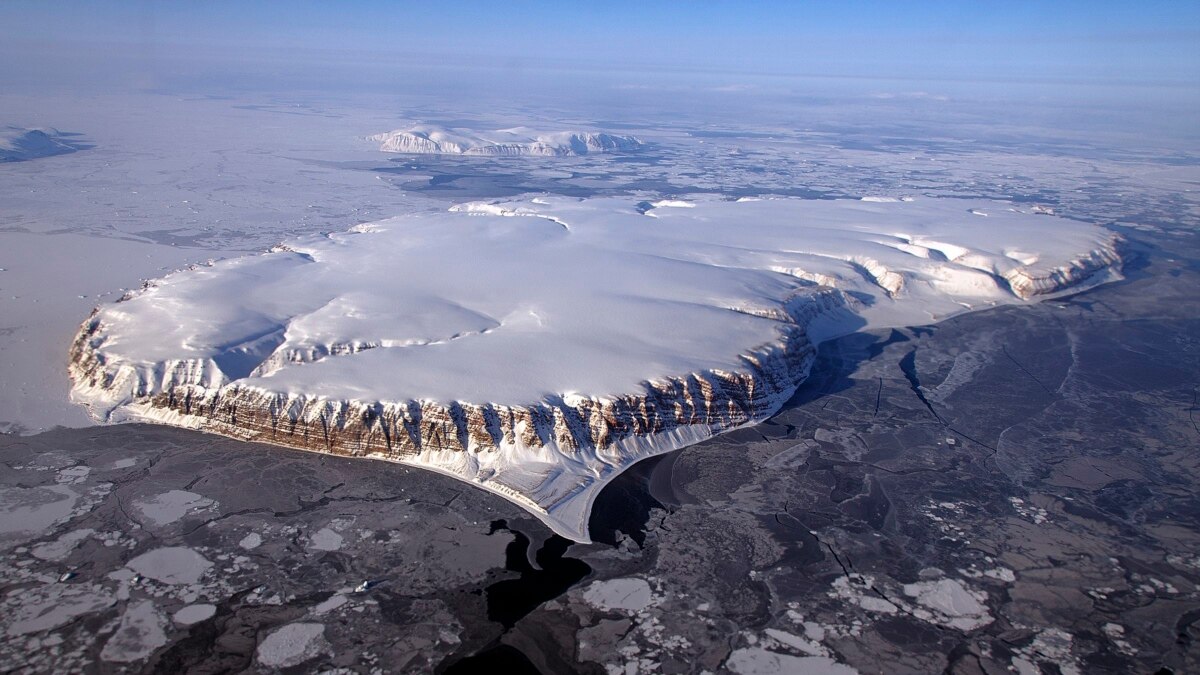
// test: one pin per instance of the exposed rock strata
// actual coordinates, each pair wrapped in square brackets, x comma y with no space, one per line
[1027,285]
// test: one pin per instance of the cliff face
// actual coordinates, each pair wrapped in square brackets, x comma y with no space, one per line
[537,349]
[1029,283]
[576,427]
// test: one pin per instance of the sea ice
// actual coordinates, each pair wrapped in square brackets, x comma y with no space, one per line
[251,541]
[630,595]
[171,565]
[952,603]
[138,635]
[60,548]
[191,614]
[170,506]
[325,539]
[33,510]
[333,602]
[45,607]
[758,661]
[292,645]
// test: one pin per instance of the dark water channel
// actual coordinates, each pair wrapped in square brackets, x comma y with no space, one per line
[498,660]
[509,600]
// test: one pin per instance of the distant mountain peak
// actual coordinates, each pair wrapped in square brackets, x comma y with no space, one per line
[18,143]
[424,139]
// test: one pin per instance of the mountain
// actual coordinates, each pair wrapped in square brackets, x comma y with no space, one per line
[537,348]
[520,141]
[19,144]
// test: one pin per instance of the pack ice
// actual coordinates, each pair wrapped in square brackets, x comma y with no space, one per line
[537,348]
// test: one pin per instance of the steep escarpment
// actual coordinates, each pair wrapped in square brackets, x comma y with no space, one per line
[536,349]
[1028,282]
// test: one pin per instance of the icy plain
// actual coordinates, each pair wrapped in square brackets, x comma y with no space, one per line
[537,348]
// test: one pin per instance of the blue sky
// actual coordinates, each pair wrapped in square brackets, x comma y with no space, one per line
[1092,41]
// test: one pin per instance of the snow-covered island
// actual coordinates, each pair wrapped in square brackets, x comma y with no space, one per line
[519,141]
[19,144]
[537,348]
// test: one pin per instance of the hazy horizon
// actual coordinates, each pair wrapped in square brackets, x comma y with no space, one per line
[1076,41]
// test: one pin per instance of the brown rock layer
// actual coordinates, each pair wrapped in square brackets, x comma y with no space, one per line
[195,394]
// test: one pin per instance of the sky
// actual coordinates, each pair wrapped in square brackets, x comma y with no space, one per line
[1126,42]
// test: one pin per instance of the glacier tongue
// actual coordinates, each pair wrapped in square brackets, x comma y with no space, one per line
[537,348]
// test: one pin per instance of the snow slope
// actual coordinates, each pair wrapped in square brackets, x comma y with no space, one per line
[435,140]
[537,348]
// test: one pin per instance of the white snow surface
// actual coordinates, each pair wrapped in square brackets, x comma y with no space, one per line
[560,299]
[426,139]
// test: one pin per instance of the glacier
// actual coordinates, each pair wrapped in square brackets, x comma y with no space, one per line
[538,347]
[428,139]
